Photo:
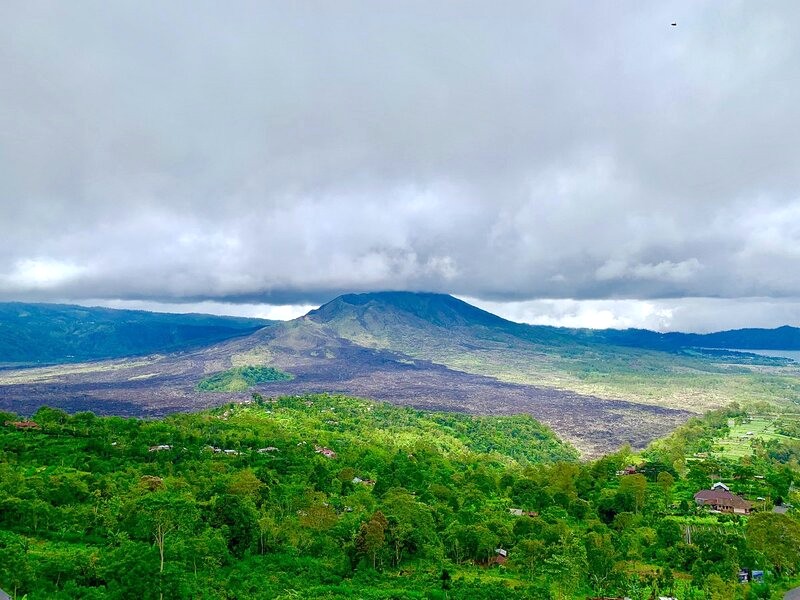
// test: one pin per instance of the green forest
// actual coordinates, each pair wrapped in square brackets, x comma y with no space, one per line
[325,496]
[239,379]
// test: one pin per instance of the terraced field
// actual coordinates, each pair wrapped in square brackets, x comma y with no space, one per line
[758,428]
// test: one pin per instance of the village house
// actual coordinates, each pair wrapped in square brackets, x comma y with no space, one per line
[23,424]
[518,512]
[267,449]
[159,448]
[720,498]
[325,451]
[629,470]
[363,481]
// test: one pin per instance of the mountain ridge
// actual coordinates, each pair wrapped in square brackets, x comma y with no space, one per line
[444,310]
[41,333]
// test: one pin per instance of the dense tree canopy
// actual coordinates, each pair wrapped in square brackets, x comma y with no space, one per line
[331,497]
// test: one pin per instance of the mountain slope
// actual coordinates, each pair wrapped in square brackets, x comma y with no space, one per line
[635,365]
[434,327]
[58,333]
[373,312]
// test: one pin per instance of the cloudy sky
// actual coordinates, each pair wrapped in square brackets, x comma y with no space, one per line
[566,163]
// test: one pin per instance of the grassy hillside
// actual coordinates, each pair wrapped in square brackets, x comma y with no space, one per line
[331,497]
[55,333]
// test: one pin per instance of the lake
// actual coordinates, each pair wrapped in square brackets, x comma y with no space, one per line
[792,354]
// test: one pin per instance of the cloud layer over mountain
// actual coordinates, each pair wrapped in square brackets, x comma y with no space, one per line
[283,153]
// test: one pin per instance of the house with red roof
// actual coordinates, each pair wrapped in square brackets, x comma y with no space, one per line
[720,498]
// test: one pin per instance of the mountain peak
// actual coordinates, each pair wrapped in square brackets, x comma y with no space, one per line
[441,310]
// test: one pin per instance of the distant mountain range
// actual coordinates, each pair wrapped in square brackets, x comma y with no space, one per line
[596,388]
[60,333]
[780,338]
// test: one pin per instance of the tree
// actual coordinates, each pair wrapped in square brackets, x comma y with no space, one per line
[371,537]
[48,417]
[456,540]
[239,520]
[245,483]
[601,556]
[665,481]
[162,514]
[777,538]
[15,569]
[718,589]
[567,566]
[410,524]
[268,531]
[633,491]
[317,513]
[669,533]
[529,554]
[666,581]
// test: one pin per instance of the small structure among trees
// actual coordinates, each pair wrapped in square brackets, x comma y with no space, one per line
[159,448]
[518,512]
[500,557]
[720,498]
[325,451]
[22,424]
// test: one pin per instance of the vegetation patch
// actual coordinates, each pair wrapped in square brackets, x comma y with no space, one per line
[240,379]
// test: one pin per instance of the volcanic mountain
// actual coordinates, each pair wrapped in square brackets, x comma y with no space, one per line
[432,351]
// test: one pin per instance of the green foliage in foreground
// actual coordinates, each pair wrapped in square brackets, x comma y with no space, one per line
[240,379]
[245,503]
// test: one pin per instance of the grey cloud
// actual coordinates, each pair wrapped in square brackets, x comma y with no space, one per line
[283,153]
